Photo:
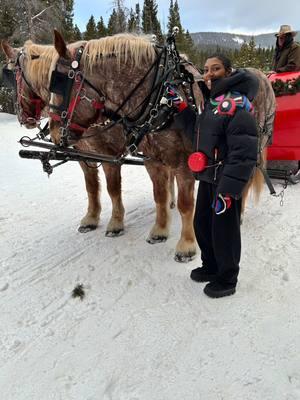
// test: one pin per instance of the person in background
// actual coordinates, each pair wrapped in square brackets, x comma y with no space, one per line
[225,144]
[287,51]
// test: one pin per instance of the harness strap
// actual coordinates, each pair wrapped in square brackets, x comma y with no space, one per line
[72,125]
[36,101]
[267,180]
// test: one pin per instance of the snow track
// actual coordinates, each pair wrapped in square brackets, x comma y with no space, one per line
[144,330]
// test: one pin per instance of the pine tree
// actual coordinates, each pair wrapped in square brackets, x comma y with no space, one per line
[132,21]
[171,18]
[119,17]
[242,58]
[101,28]
[112,23]
[67,25]
[138,18]
[150,22]
[91,31]
[77,34]
[253,54]
[175,20]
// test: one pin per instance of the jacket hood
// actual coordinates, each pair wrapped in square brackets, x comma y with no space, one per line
[240,80]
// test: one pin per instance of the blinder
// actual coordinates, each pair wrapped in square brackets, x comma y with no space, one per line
[61,84]
[8,78]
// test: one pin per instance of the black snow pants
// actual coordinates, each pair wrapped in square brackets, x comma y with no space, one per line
[218,236]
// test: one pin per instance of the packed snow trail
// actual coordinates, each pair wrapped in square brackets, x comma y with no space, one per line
[144,330]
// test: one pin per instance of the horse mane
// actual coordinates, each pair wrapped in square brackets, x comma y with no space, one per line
[124,47]
[38,68]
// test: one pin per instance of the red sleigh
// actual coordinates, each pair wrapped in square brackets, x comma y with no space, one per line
[286,135]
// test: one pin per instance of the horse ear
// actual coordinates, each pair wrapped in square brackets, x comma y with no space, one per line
[60,44]
[9,51]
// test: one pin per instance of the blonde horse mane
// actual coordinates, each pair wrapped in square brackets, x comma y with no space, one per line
[125,47]
[37,70]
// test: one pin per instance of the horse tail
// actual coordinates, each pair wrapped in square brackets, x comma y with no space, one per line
[255,184]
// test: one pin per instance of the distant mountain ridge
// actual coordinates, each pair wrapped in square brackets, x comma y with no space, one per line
[233,40]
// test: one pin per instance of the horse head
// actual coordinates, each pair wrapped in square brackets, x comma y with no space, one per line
[90,84]
[75,102]
[25,77]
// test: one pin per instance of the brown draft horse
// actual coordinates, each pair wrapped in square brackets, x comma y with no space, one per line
[115,65]
[34,63]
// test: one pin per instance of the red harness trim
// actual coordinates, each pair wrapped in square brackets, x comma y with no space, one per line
[72,126]
[98,105]
[73,103]
[38,103]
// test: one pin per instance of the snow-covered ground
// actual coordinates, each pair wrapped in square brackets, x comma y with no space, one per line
[144,331]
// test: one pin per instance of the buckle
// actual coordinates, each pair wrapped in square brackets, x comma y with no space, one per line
[132,149]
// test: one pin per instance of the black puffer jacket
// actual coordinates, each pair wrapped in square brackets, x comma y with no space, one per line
[229,139]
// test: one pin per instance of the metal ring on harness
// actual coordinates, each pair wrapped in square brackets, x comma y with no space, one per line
[153,113]
[71,74]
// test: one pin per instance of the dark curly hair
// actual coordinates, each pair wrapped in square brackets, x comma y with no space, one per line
[224,60]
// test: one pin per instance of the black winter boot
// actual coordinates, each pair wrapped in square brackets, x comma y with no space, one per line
[202,274]
[217,289]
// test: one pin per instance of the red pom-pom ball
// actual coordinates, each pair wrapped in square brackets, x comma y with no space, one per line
[197,162]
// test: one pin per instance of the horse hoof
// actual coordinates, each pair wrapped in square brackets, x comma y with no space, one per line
[87,228]
[156,239]
[184,258]
[115,233]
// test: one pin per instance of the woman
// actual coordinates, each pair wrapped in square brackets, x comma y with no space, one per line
[225,143]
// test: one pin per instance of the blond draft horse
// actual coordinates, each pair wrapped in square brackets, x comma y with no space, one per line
[35,61]
[115,65]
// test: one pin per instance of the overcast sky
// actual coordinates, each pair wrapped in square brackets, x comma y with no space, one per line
[237,16]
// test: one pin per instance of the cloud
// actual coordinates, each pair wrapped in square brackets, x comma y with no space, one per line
[251,16]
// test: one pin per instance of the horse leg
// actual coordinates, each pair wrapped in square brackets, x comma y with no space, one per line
[159,175]
[91,219]
[186,246]
[115,226]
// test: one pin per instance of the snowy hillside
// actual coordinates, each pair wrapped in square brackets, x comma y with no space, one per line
[144,330]
[233,40]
